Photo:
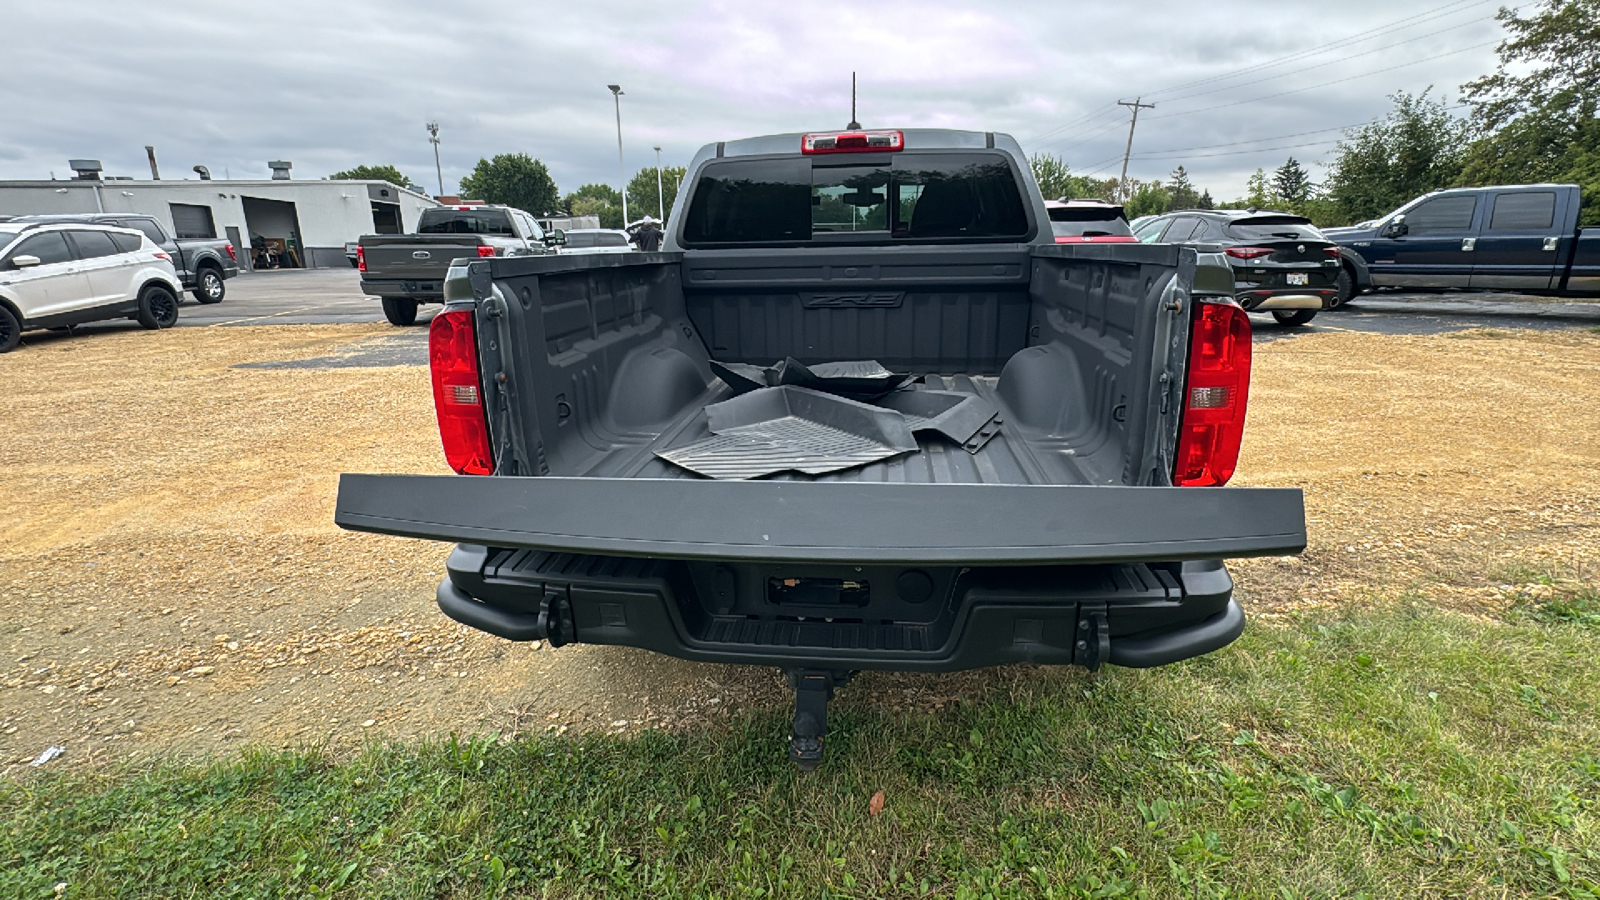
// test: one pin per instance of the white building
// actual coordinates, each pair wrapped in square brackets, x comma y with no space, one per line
[315,219]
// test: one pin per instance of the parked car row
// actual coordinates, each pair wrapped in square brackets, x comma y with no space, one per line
[202,264]
[62,274]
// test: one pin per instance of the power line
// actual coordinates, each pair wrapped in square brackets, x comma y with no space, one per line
[1345,59]
[1358,37]
[1313,87]
[1398,24]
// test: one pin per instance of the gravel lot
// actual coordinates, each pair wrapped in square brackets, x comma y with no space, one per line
[171,580]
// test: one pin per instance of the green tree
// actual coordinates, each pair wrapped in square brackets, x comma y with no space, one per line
[514,179]
[1292,185]
[1534,118]
[1205,201]
[1415,149]
[1180,189]
[600,200]
[1146,198]
[642,197]
[1056,179]
[1258,191]
[378,173]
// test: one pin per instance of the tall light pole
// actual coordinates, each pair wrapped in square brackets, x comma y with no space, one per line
[661,201]
[433,138]
[616,94]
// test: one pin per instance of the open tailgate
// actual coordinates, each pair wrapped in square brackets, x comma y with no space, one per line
[953,524]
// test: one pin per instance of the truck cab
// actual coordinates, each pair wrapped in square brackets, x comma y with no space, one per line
[1504,238]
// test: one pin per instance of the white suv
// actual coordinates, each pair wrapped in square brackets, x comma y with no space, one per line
[61,275]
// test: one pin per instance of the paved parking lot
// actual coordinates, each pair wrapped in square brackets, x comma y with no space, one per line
[333,296]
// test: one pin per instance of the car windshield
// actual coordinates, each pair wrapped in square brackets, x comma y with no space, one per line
[1088,221]
[907,197]
[1258,228]
[465,221]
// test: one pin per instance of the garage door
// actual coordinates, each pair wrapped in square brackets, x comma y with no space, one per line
[190,221]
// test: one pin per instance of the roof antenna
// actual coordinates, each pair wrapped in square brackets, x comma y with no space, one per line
[854,125]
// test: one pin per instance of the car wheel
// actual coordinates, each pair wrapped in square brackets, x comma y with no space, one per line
[1294,318]
[208,286]
[10,330]
[1345,284]
[400,311]
[158,308]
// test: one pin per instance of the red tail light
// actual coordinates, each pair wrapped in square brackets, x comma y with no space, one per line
[1249,252]
[852,142]
[485,251]
[231,255]
[1214,396]
[1330,252]
[361,259]
[162,254]
[458,392]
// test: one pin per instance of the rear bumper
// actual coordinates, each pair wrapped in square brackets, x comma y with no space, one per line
[1295,298]
[416,289]
[1136,616]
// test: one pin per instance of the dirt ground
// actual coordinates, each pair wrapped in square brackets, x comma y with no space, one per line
[171,580]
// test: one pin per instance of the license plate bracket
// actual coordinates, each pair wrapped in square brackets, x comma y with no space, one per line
[1299,278]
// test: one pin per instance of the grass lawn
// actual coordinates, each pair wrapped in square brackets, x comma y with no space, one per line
[1391,751]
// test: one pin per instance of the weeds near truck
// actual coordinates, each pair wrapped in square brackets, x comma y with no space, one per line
[1391,752]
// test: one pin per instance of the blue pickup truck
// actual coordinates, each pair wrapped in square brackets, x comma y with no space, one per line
[1522,237]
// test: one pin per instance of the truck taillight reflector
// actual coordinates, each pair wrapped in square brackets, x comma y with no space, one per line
[361,259]
[852,142]
[231,255]
[453,362]
[485,251]
[1214,396]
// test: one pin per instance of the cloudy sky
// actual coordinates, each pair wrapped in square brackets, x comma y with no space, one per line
[332,85]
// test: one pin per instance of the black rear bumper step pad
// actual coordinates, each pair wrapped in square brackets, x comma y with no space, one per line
[1143,616]
[830,522]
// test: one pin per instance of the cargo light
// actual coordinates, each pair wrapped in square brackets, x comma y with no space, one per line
[457,398]
[361,259]
[485,251]
[852,142]
[1249,252]
[1215,395]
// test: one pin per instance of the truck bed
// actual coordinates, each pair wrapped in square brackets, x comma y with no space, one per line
[1010,457]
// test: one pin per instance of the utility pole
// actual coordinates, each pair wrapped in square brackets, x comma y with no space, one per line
[616,94]
[1122,183]
[661,195]
[433,138]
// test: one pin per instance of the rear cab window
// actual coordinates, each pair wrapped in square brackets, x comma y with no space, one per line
[1266,228]
[465,221]
[1088,221]
[907,197]
[1530,211]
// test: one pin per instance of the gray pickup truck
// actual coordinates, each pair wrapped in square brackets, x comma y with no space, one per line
[203,264]
[863,412]
[405,270]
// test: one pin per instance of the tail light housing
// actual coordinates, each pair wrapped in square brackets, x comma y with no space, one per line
[231,255]
[852,142]
[1214,396]
[485,250]
[458,392]
[361,259]
[1330,252]
[1249,252]
[162,254]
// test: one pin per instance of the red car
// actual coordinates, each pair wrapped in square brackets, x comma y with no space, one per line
[1089,222]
